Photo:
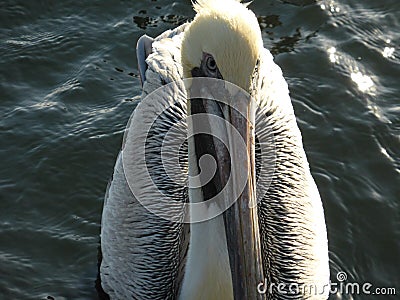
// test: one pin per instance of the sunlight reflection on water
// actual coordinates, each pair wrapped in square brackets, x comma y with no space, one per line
[363,82]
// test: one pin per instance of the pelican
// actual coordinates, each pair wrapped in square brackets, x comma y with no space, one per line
[277,249]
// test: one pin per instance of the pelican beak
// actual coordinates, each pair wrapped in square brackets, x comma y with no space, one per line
[241,219]
[235,181]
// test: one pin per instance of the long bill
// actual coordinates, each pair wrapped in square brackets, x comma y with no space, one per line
[233,146]
[229,123]
[241,219]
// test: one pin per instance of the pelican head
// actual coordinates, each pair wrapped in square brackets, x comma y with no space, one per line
[224,42]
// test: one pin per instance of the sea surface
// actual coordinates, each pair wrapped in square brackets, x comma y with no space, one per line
[69,83]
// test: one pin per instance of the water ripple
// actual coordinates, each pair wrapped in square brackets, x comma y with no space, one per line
[70,84]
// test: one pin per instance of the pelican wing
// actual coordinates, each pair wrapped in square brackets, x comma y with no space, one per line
[143,50]
[142,254]
[293,231]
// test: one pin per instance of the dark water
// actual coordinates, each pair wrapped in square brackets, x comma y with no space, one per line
[69,84]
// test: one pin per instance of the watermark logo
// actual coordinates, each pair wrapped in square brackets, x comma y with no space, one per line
[341,276]
[342,287]
[155,148]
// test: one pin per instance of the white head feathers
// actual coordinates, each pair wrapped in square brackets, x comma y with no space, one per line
[228,31]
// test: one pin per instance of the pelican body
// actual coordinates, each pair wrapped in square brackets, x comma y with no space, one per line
[281,241]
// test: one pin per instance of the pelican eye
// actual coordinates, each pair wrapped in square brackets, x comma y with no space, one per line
[211,64]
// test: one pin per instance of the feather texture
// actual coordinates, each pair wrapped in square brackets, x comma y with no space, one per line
[144,256]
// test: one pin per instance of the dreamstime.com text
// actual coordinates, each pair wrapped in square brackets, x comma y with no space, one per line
[341,287]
